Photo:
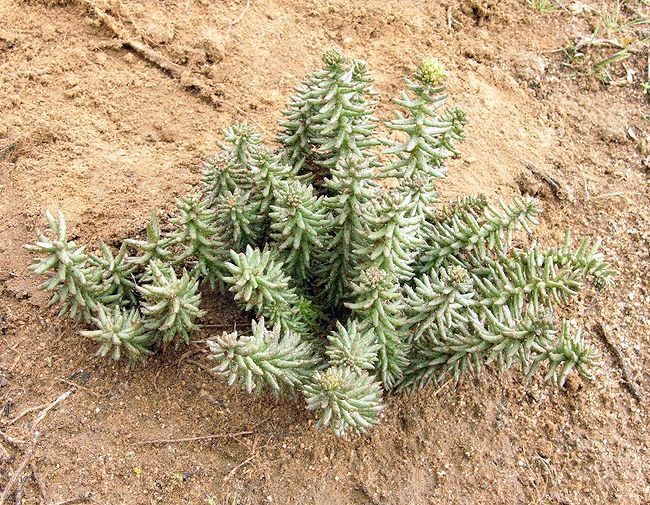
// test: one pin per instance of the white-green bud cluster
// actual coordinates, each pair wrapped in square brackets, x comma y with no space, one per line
[120,332]
[171,304]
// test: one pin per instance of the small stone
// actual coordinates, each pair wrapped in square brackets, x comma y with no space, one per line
[71,80]
[529,67]
[7,40]
[71,93]
[100,58]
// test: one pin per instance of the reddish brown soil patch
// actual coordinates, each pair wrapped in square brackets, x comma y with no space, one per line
[106,137]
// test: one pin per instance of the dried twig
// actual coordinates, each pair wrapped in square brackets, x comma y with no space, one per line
[6,151]
[367,493]
[173,69]
[16,442]
[200,365]
[629,383]
[551,181]
[232,325]
[609,195]
[452,22]
[17,477]
[245,462]
[13,480]
[20,490]
[253,455]
[39,484]
[24,413]
[79,386]
[194,439]
[561,5]
[50,406]
[83,498]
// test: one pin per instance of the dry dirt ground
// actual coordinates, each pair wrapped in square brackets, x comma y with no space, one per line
[90,127]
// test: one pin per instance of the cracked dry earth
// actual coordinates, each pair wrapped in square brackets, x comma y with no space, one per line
[90,127]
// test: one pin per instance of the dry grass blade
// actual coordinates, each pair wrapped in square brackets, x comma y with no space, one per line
[234,470]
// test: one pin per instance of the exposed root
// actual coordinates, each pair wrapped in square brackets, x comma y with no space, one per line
[186,78]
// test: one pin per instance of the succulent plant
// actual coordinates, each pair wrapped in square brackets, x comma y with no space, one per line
[360,280]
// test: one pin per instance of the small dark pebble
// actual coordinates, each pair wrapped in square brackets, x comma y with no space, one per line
[80,376]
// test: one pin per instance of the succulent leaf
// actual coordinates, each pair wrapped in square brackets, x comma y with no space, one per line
[267,358]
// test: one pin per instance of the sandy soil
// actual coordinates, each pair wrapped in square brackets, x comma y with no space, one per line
[91,128]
